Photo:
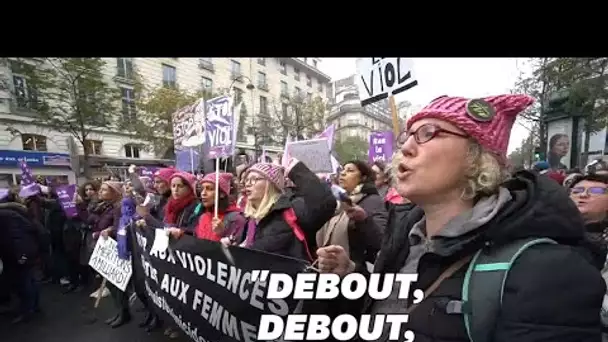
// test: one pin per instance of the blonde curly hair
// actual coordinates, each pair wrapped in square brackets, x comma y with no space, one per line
[484,174]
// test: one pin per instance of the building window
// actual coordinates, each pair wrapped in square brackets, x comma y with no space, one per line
[235,68]
[284,89]
[297,91]
[169,76]
[263,105]
[262,61]
[124,68]
[205,63]
[93,147]
[320,88]
[284,109]
[308,80]
[33,142]
[25,95]
[351,96]
[296,74]
[283,68]
[309,97]
[261,79]
[207,84]
[131,151]
[128,104]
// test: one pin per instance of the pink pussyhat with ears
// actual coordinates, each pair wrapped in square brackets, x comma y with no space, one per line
[224,181]
[189,178]
[487,120]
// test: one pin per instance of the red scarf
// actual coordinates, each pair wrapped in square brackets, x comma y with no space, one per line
[204,230]
[175,207]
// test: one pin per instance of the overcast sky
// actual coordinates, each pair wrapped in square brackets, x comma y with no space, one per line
[466,77]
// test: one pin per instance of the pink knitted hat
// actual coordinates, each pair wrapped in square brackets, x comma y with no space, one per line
[165,174]
[224,181]
[114,185]
[275,174]
[189,178]
[488,120]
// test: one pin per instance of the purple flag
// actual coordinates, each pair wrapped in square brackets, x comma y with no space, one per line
[328,133]
[66,199]
[187,160]
[26,173]
[381,146]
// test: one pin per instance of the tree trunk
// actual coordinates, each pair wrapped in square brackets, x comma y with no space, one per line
[86,166]
[585,155]
[541,119]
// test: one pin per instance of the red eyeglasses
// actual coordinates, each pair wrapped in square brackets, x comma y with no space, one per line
[426,133]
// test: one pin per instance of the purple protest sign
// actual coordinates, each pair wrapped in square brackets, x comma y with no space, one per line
[219,126]
[381,146]
[147,171]
[66,199]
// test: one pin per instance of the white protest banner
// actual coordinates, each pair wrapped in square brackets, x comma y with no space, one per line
[313,153]
[106,262]
[379,78]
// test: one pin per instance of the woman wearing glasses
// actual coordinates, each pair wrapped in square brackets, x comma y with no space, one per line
[590,194]
[269,210]
[454,168]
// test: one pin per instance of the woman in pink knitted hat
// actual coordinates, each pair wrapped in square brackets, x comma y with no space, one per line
[230,220]
[154,213]
[496,259]
[279,223]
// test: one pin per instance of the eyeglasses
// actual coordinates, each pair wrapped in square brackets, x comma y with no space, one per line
[594,190]
[252,180]
[426,133]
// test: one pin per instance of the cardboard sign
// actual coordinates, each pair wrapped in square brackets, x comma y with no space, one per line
[378,78]
[313,153]
[106,262]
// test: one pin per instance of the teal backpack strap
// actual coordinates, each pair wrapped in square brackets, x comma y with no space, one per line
[484,283]
[195,213]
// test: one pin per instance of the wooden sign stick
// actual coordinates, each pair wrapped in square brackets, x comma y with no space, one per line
[99,292]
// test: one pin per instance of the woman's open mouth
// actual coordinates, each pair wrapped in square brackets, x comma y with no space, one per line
[403,171]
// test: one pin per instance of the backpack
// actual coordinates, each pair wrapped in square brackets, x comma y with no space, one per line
[292,220]
[484,283]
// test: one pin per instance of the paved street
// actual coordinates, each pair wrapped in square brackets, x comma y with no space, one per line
[71,318]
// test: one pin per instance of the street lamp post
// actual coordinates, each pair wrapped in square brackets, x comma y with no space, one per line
[249,86]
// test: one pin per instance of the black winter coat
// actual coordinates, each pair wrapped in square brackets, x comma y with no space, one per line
[552,293]
[19,235]
[313,204]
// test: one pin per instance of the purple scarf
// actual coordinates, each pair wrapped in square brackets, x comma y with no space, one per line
[126,217]
[251,227]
